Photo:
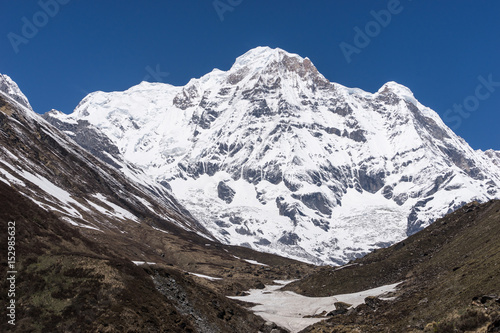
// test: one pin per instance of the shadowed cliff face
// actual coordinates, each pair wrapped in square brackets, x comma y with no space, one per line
[90,139]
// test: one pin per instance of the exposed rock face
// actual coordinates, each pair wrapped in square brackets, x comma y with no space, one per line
[340,168]
[494,156]
[340,308]
[88,137]
[225,192]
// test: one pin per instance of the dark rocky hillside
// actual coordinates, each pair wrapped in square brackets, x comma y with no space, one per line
[450,274]
[68,283]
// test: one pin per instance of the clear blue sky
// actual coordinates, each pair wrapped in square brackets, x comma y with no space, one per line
[439,49]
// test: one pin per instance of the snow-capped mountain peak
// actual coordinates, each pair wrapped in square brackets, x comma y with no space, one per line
[260,56]
[272,155]
[395,88]
[11,89]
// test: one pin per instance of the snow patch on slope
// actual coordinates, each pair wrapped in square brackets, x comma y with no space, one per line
[117,210]
[288,309]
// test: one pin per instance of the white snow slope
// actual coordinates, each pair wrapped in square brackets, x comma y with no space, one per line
[272,155]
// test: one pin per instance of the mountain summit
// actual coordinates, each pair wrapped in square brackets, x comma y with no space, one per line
[273,156]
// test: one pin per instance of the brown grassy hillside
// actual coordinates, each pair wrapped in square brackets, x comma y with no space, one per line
[446,270]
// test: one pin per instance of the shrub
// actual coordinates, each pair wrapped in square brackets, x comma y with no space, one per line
[470,320]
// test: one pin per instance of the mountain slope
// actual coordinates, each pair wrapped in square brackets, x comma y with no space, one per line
[102,249]
[58,175]
[67,282]
[449,272]
[273,156]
